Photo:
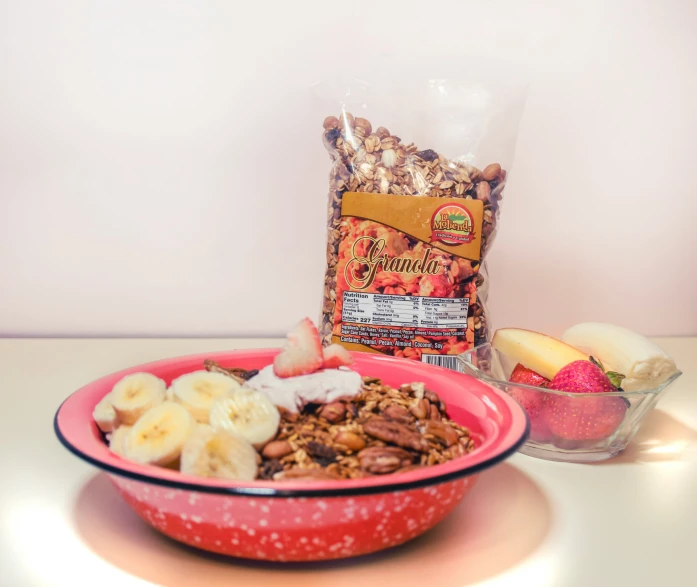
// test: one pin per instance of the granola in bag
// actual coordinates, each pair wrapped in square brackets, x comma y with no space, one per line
[408,232]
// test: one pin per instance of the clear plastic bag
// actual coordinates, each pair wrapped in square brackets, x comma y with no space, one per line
[415,194]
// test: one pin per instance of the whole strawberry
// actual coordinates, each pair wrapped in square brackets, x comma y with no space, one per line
[583,418]
[582,377]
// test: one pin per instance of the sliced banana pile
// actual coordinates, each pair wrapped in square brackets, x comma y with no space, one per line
[205,423]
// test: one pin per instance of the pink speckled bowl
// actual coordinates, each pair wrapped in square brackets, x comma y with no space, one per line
[302,521]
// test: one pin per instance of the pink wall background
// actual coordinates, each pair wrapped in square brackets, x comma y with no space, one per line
[139,139]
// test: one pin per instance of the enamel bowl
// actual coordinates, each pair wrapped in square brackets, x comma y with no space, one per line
[302,520]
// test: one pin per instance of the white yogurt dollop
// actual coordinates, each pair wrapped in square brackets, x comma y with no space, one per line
[322,387]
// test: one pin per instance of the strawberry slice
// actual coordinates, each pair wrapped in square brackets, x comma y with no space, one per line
[528,377]
[336,356]
[531,401]
[302,353]
[533,404]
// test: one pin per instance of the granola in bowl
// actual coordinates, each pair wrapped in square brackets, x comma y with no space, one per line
[308,416]
[381,430]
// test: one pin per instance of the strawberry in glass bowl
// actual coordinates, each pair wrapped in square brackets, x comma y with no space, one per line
[585,395]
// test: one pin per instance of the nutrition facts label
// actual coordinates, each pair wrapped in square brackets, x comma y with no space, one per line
[405,311]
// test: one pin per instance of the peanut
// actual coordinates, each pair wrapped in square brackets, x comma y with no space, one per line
[350,440]
[277,449]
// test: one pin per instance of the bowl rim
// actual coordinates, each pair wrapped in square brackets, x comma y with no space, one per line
[427,476]
[494,381]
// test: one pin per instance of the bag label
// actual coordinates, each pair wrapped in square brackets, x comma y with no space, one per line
[406,274]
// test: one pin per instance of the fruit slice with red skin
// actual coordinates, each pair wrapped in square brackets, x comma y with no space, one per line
[539,430]
[533,404]
[582,377]
[531,401]
[302,353]
[336,356]
[527,376]
[585,417]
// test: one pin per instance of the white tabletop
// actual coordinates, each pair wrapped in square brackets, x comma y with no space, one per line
[629,521]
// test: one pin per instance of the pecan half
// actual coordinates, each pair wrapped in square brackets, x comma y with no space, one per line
[379,460]
[434,414]
[398,414]
[441,431]
[396,433]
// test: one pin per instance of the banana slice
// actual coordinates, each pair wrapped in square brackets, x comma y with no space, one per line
[158,436]
[135,394]
[117,442]
[105,416]
[246,412]
[218,453]
[196,391]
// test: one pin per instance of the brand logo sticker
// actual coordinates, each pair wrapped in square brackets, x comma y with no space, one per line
[452,224]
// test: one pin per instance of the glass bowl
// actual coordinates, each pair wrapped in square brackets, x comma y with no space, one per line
[570,427]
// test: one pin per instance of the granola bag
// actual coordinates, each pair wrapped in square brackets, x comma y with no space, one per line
[415,193]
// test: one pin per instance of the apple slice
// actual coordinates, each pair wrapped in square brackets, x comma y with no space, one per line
[536,351]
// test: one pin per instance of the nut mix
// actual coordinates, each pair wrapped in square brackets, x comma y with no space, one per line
[382,430]
[375,161]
